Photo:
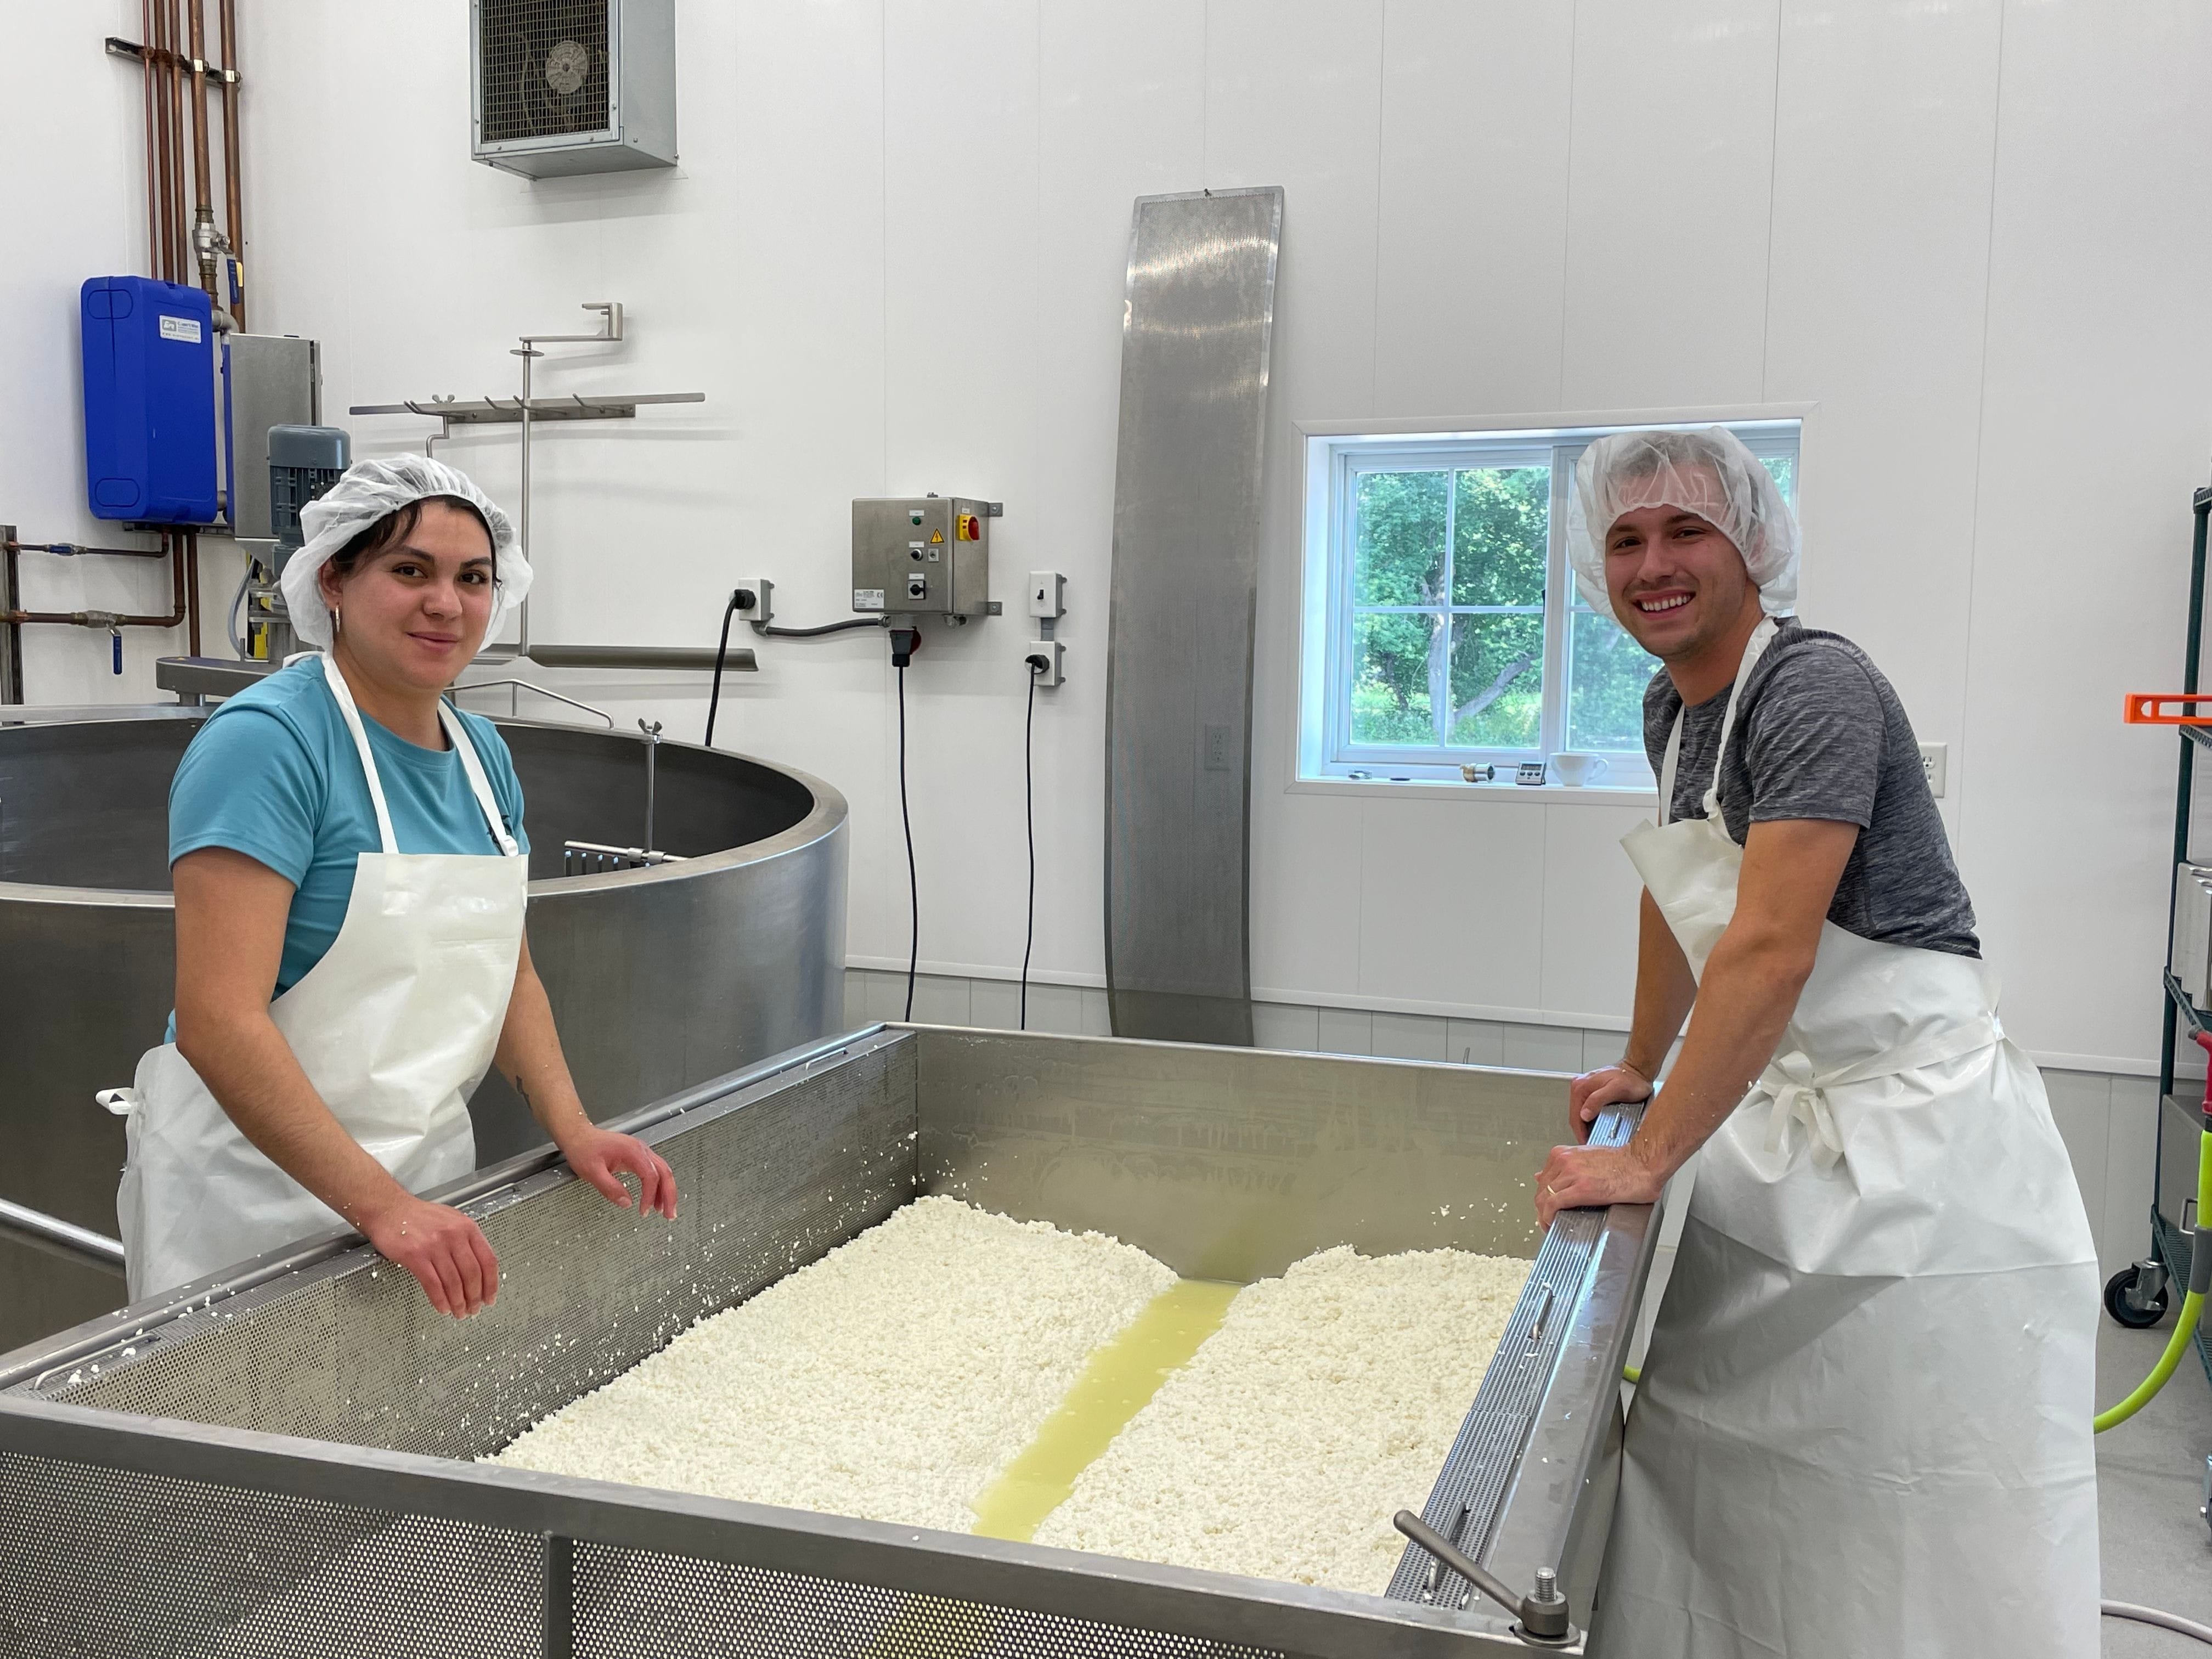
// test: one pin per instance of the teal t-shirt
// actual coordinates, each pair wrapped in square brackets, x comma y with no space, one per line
[273,775]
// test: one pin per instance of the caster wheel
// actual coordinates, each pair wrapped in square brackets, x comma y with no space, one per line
[2116,1301]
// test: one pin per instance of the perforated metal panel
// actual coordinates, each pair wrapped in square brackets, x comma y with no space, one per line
[96,1562]
[352,1351]
[544,67]
[634,1603]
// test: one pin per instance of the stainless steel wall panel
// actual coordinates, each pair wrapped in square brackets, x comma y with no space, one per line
[1196,326]
[1231,1163]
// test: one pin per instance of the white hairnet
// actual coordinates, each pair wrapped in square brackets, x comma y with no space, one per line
[368,491]
[1708,472]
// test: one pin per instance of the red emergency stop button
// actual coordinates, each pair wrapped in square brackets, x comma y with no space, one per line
[968,530]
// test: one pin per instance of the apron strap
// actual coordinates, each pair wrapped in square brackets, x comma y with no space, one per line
[472,764]
[456,733]
[343,695]
[1800,1095]
[1667,771]
[1761,637]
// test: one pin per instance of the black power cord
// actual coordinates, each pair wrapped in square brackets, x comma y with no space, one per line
[721,653]
[904,643]
[770,631]
[1038,666]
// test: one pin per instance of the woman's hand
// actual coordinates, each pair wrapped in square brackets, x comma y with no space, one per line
[1591,1178]
[1593,1091]
[442,1247]
[600,1156]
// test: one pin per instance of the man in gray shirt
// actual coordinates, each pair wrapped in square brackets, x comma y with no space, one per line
[1884,1217]
[1824,737]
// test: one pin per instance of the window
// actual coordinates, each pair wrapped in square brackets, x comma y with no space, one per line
[1445,627]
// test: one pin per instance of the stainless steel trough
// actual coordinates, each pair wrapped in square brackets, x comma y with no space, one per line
[276,1461]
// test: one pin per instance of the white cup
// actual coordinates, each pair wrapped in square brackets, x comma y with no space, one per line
[1575,769]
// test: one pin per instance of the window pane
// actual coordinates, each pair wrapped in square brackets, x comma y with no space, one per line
[1782,469]
[1497,681]
[1606,675]
[1400,559]
[1500,532]
[1390,678]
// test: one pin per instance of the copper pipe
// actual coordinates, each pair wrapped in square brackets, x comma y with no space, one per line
[73,550]
[177,100]
[192,600]
[203,180]
[175,546]
[152,197]
[173,115]
[157,79]
[234,191]
[11,671]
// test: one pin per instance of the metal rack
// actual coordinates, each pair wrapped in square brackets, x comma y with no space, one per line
[2181,1120]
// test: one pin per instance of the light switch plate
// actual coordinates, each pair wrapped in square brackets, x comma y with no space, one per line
[1935,764]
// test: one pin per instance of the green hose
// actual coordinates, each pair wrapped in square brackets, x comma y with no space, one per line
[2192,1303]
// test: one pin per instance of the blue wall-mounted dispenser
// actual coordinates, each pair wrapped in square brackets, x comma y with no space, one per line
[149,395]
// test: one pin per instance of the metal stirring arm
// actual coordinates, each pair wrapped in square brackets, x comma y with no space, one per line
[525,686]
[1542,1614]
[651,731]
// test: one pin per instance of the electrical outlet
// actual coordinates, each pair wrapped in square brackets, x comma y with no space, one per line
[1217,749]
[1934,757]
[762,608]
[1054,654]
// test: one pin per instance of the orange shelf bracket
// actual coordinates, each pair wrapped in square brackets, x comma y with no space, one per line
[2168,708]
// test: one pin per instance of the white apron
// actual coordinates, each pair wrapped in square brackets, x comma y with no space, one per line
[395,1026]
[1864,1423]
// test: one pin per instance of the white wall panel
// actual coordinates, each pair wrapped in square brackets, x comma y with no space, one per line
[1121,115]
[1292,98]
[1306,916]
[1440,920]
[960,257]
[1473,205]
[1885,138]
[892,257]
[1672,164]
[1589,913]
[2096,428]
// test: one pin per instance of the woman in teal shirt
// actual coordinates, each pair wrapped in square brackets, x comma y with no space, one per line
[347,851]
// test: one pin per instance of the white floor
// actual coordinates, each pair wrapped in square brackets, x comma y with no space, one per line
[2150,1474]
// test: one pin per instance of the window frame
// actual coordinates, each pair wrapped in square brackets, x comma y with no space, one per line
[1337,454]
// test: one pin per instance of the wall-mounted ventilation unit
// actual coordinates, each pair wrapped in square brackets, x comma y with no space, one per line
[574,86]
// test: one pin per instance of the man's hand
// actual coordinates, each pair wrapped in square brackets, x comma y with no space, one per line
[1593,1091]
[1589,1177]
[442,1247]
[600,1156]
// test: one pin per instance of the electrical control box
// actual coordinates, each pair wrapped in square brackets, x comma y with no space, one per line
[149,397]
[268,381]
[922,556]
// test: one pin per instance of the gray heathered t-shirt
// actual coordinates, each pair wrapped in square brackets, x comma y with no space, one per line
[1820,734]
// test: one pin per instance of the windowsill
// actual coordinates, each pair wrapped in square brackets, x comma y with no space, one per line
[1438,788]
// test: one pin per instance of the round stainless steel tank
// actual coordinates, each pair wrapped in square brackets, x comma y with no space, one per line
[660,978]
